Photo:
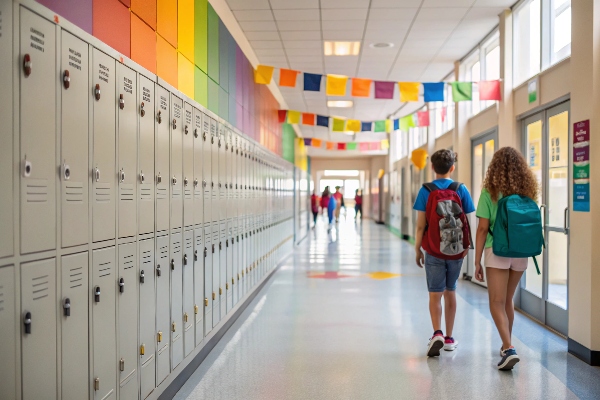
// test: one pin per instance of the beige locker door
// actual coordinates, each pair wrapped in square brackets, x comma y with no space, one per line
[222,176]
[104,174]
[162,159]
[145,177]
[207,182]
[163,310]
[37,61]
[128,321]
[6,133]
[74,309]
[176,299]
[188,166]
[209,294]
[176,162]
[38,327]
[188,292]
[216,267]
[198,161]
[214,172]
[147,343]
[103,299]
[8,325]
[74,89]
[127,158]
[199,284]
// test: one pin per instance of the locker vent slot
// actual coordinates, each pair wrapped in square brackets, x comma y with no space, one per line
[37,191]
[104,269]
[73,192]
[188,193]
[198,194]
[147,361]
[176,193]
[147,257]
[164,252]
[176,247]
[198,240]
[163,349]
[76,277]
[1,298]
[102,192]
[127,261]
[146,194]
[189,242]
[161,193]
[39,287]
[126,192]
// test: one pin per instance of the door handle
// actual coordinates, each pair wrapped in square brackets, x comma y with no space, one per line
[543,207]
[567,217]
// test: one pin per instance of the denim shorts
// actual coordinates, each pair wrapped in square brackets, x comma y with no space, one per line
[441,274]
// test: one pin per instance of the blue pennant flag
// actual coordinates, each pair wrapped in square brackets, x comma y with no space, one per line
[322,121]
[433,91]
[312,82]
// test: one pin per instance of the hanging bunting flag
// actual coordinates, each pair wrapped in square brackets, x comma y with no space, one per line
[375,146]
[409,91]
[384,90]
[361,87]
[341,146]
[351,146]
[389,125]
[307,141]
[397,124]
[316,142]
[406,123]
[322,121]
[308,119]
[263,74]
[336,85]
[287,77]
[312,82]
[366,127]
[363,146]
[433,91]
[282,114]
[330,145]
[339,125]
[462,91]
[489,90]
[353,125]
[385,144]
[293,117]
[444,112]
[423,118]
[380,126]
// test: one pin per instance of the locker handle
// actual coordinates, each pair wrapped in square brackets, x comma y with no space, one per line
[173,327]
[142,349]
[97,92]
[66,171]
[66,79]
[122,175]
[172,264]
[220,291]
[121,102]
[67,307]
[205,252]
[227,243]
[196,182]
[196,132]
[214,296]
[27,64]
[142,276]
[185,317]
[196,309]
[97,294]
[159,116]
[185,259]
[27,322]
[158,273]
[174,123]
[159,337]
[142,111]
[206,302]
[185,181]
[185,129]
[26,168]
[121,285]
[226,285]
[203,183]
[122,365]
[174,180]
[97,174]
[97,384]
[219,143]
[195,255]
[142,177]
[158,178]
[220,246]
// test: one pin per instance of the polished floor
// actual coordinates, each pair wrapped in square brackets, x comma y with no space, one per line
[346,317]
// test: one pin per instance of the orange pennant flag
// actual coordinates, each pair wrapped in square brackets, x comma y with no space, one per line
[287,77]
[308,119]
[361,87]
[316,143]
[330,145]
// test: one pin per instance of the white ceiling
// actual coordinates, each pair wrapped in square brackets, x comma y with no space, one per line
[428,36]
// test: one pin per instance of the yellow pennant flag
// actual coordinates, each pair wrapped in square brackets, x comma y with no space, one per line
[336,85]
[353,125]
[389,125]
[385,144]
[339,125]
[409,91]
[293,117]
[263,74]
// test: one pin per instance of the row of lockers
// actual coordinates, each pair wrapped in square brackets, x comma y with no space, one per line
[143,219]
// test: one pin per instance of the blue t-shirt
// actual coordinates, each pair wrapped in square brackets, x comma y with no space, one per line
[463,193]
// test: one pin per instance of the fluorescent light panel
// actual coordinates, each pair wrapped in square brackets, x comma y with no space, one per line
[340,103]
[342,48]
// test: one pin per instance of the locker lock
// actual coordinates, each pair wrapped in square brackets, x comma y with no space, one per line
[66,171]
[204,136]
[214,295]
[97,294]
[219,185]
[97,174]
[185,317]
[185,129]
[203,183]
[27,65]
[67,307]
[27,322]
[97,92]
[196,182]
[159,337]
[158,273]
[205,252]
[121,285]
[220,246]
[142,349]
[226,146]
[158,178]
[173,327]
[196,309]
[142,111]
[159,116]
[172,264]
[206,302]
[212,184]
[185,181]
[212,140]
[122,365]
[185,259]
[26,168]
[195,255]
[121,102]
[196,133]
[142,177]
[227,243]
[174,123]
[225,185]
[219,143]
[142,276]
[97,384]
[122,175]
[220,291]
[226,285]
[174,180]
[66,79]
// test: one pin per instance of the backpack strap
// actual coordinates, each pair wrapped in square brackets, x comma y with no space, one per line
[454,186]
[430,187]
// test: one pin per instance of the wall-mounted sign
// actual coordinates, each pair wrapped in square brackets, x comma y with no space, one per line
[581,166]
[532,90]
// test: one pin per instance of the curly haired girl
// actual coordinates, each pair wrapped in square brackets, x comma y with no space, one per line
[507,174]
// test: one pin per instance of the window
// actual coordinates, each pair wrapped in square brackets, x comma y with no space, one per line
[560,32]
[475,76]
[341,172]
[417,137]
[483,65]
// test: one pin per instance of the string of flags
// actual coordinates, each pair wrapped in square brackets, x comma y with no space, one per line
[336,85]
[360,146]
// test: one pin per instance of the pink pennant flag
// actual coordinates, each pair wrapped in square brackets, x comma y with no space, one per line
[444,112]
[375,145]
[490,90]
[423,118]
[363,146]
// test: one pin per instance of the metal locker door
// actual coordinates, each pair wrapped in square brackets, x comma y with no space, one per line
[127,284]
[176,300]
[222,177]
[163,309]
[74,319]
[208,282]
[104,137]
[8,325]
[146,155]
[214,172]
[37,133]
[199,285]
[38,327]
[147,341]
[216,272]
[188,166]
[198,161]
[188,292]
[127,146]
[223,267]
[74,75]
[176,162]
[207,183]
[234,223]
[162,159]
[6,137]
[229,282]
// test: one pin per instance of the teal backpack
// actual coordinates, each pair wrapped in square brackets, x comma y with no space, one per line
[518,231]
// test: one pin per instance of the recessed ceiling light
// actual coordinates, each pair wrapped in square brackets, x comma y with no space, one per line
[381,45]
[340,103]
[342,48]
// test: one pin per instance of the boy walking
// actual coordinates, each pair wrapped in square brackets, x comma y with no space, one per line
[443,232]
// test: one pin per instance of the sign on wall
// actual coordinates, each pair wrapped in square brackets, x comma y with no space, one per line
[581,166]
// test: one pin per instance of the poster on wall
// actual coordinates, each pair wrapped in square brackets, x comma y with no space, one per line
[581,166]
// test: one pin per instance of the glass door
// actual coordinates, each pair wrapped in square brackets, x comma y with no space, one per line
[547,149]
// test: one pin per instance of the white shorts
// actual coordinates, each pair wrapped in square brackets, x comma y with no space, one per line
[493,261]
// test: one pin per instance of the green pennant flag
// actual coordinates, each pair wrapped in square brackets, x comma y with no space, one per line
[380,126]
[407,122]
[351,146]
[462,91]
[339,125]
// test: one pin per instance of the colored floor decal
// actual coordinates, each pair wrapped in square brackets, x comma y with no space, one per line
[328,275]
[382,275]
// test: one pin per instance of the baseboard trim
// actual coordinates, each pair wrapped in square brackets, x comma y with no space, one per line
[592,357]
[187,372]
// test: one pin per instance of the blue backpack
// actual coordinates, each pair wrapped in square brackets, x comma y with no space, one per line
[518,231]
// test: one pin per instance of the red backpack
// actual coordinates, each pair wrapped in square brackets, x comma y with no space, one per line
[447,234]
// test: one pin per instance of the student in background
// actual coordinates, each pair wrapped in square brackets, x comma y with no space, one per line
[338,198]
[358,203]
[325,199]
[314,205]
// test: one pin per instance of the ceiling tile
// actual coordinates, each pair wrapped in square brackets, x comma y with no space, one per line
[393,14]
[293,4]
[344,14]
[303,44]
[266,44]
[270,52]
[302,52]
[346,36]
[442,13]
[446,3]
[395,3]
[294,15]
[272,59]
[258,26]
[343,25]
[299,59]
[494,3]
[299,25]
[300,35]
[261,35]
[253,15]
[339,4]
[248,4]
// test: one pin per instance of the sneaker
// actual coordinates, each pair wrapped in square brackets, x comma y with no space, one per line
[435,344]
[450,344]
[509,359]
